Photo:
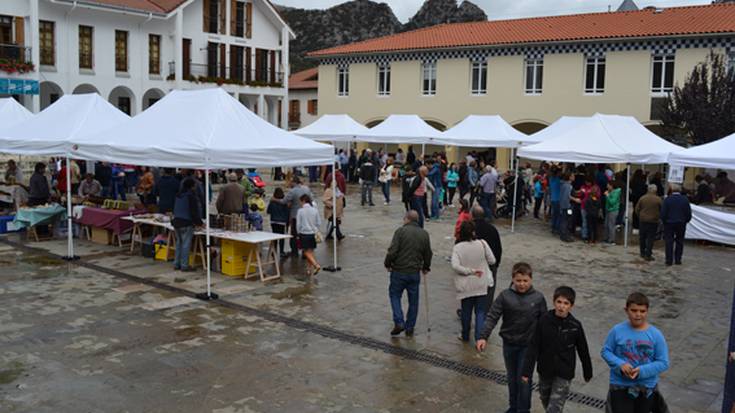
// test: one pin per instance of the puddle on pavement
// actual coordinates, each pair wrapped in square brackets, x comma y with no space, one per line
[42,261]
[292,292]
[189,332]
[11,373]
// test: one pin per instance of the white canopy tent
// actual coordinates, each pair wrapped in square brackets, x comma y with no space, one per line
[202,129]
[488,131]
[602,139]
[485,131]
[706,223]
[335,128]
[12,112]
[561,124]
[402,129]
[50,133]
[719,154]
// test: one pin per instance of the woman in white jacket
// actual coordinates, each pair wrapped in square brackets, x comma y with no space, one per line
[471,261]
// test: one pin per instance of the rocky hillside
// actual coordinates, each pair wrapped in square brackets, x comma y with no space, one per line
[364,19]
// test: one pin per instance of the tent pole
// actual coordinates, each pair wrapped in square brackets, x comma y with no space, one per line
[334,267]
[69,234]
[515,198]
[627,202]
[208,295]
[423,152]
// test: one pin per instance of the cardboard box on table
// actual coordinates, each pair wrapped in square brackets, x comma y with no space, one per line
[101,236]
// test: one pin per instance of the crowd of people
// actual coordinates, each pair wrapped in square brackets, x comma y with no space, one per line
[532,335]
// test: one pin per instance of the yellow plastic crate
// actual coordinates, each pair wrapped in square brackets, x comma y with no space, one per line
[236,249]
[161,252]
[235,266]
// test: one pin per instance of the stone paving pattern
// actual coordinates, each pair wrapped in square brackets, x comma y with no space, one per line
[75,339]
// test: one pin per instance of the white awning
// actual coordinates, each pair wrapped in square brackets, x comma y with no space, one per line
[719,154]
[12,112]
[336,128]
[402,129]
[483,131]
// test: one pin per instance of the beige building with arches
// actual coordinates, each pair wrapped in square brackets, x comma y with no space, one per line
[530,71]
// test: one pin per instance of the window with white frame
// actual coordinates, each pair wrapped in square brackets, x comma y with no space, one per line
[428,78]
[479,78]
[383,79]
[662,76]
[343,81]
[594,82]
[731,63]
[534,76]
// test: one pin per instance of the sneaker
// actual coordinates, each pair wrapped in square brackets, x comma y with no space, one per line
[177,268]
[678,263]
[396,330]
[386,203]
[459,313]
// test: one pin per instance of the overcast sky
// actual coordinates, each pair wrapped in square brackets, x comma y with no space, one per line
[504,9]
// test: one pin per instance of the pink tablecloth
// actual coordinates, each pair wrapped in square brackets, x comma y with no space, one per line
[108,219]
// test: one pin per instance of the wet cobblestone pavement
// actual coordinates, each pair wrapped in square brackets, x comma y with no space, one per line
[88,337]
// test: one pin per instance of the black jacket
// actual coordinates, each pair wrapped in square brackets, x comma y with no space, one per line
[676,209]
[367,171]
[486,231]
[553,345]
[520,313]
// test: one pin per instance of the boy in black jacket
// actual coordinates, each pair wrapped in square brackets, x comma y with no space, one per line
[557,336]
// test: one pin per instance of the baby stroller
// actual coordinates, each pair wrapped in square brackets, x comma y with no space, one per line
[506,198]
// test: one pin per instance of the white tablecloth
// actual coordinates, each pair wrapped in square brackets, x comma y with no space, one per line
[711,224]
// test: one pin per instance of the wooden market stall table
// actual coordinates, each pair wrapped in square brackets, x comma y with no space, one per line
[255,240]
[153,220]
[31,217]
[109,220]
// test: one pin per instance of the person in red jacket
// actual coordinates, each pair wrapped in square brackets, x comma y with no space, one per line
[464,215]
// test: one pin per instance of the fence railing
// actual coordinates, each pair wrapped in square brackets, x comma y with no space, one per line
[205,73]
[14,52]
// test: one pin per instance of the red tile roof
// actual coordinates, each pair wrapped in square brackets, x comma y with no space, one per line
[646,23]
[306,79]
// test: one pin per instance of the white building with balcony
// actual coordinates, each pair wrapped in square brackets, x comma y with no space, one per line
[132,52]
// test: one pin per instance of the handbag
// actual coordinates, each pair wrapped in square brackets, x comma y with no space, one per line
[318,237]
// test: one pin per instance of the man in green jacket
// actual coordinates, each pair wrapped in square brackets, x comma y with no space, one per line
[612,206]
[408,256]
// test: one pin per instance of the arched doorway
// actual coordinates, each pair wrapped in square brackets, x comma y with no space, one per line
[85,88]
[150,97]
[124,99]
[530,127]
[49,92]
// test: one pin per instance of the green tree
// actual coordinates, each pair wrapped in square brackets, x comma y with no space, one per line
[703,109]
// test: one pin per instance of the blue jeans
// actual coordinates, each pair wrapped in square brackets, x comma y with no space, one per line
[519,393]
[117,188]
[435,199]
[485,204]
[386,191]
[555,216]
[183,245]
[417,204]
[585,231]
[410,283]
[367,193]
[478,305]
[313,174]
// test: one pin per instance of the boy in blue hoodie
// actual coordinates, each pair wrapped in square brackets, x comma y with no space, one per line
[636,353]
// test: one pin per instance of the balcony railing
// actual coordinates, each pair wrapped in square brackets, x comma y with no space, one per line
[15,52]
[15,59]
[204,73]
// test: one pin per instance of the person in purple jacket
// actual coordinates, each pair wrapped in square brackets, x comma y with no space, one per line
[637,353]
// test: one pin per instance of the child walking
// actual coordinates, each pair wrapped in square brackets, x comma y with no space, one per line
[637,353]
[520,306]
[558,335]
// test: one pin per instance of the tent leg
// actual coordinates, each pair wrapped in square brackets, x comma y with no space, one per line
[209,295]
[423,152]
[627,203]
[334,267]
[515,198]
[69,234]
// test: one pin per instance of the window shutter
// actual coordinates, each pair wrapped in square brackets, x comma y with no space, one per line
[20,32]
[233,17]
[248,64]
[249,20]
[223,60]
[273,66]
[222,16]
[205,5]
[233,62]
[258,64]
